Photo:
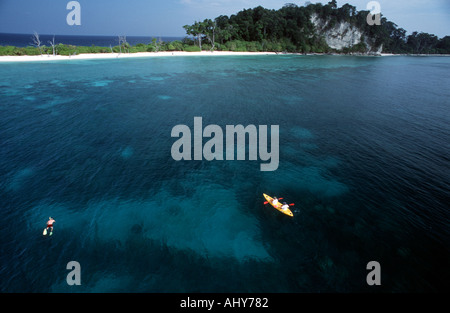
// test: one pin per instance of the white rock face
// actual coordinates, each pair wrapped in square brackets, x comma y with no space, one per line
[342,35]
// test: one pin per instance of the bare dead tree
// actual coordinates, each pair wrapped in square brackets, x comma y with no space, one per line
[120,44]
[52,43]
[123,43]
[126,45]
[37,41]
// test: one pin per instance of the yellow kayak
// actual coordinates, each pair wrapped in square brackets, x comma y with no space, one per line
[278,206]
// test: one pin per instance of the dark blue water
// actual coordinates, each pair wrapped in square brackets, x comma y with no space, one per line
[364,156]
[24,40]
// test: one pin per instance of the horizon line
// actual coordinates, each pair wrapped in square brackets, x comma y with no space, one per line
[94,35]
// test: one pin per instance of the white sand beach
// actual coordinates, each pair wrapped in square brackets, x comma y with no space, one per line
[32,58]
[88,56]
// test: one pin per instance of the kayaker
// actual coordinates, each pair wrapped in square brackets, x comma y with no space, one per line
[274,201]
[285,206]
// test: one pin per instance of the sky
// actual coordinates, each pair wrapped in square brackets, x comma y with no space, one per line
[167,17]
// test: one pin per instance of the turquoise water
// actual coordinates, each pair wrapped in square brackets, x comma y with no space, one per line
[364,155]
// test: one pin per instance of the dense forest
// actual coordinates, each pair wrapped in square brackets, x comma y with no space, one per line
[289,29]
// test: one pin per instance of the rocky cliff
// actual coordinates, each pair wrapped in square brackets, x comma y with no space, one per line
[343,35]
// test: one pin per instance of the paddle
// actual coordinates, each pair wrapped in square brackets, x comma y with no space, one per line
[265,202]
[291,204]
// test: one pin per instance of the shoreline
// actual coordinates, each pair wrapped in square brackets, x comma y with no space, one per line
[106,56]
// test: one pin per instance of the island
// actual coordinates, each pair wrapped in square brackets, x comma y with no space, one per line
[308,29]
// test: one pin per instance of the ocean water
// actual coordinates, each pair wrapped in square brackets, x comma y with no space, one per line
[24,40]
[364,155]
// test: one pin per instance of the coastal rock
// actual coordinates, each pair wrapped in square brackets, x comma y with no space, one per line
[343,35]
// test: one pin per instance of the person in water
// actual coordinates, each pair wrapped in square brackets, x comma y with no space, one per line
[50,224]
[285,206]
